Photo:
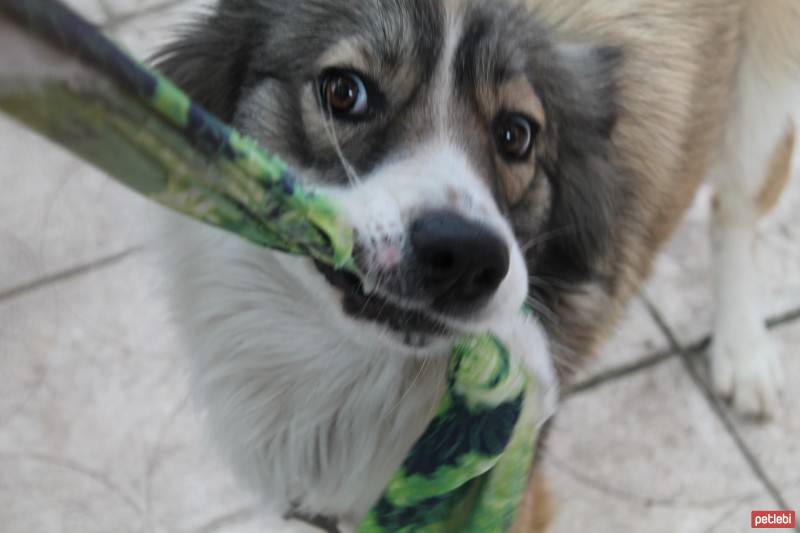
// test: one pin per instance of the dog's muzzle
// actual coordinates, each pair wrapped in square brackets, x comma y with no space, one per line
[415,326]
[450,267]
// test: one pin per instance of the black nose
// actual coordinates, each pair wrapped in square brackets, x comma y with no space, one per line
[461,262]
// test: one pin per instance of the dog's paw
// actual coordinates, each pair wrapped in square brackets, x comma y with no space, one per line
[746,371]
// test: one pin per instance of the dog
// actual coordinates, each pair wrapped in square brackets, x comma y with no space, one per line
[488,154]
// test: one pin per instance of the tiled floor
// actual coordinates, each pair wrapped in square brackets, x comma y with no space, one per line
[97,434]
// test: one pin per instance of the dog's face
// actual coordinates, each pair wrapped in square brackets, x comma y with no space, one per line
[466,146]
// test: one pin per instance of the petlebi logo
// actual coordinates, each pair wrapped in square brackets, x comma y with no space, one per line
[773,520]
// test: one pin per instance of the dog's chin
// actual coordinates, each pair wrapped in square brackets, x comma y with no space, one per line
[403,327]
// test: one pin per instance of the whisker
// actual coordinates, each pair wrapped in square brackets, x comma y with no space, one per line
[564,356]
[543,238]
[540,283]
[330,131]
[541,309]
[410,387]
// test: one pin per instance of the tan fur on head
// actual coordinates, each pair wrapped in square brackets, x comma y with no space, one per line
[518,94]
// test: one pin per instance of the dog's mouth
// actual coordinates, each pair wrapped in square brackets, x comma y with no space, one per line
[413,327]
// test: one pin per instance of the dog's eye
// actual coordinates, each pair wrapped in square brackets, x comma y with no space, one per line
[514,135]
[344,93]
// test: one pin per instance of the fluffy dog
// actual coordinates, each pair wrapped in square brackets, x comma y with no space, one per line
[489,154]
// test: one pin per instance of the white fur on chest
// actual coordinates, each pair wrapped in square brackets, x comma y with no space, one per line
[303,412]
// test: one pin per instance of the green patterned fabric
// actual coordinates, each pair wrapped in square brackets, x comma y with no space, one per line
[469,469]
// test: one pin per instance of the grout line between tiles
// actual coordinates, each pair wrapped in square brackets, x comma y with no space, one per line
[654,359]
[716,407]
[68,274]
[619,372]
[783,319]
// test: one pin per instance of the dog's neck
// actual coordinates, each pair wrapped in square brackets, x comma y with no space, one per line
[329,431]
[309,417]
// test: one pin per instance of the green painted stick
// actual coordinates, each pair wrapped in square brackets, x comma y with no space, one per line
[64,79]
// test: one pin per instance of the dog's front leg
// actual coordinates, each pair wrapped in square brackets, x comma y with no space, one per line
[745,365]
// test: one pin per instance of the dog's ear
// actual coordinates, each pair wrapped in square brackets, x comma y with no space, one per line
[581,104]
[210,60]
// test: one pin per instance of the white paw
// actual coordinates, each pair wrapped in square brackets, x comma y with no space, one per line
[746,370]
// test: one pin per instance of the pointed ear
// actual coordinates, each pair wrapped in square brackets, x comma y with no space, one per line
[210,61]
[582,111]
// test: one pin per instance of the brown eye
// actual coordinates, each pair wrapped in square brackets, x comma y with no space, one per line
[344,93]
[514,135]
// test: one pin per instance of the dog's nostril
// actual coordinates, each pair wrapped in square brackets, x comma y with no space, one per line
[488,278]
[443,260]
[461,262]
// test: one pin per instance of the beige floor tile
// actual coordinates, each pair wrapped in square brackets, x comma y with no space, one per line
[646,453]
[96,430]
[57,212]
[791,494]
[735,517]
[637,338]
[777,444]
[96,11]
[134,8]
[146,34]
[105,11]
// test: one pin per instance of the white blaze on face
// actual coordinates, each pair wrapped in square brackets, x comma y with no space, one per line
[443,86]
[436,175]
